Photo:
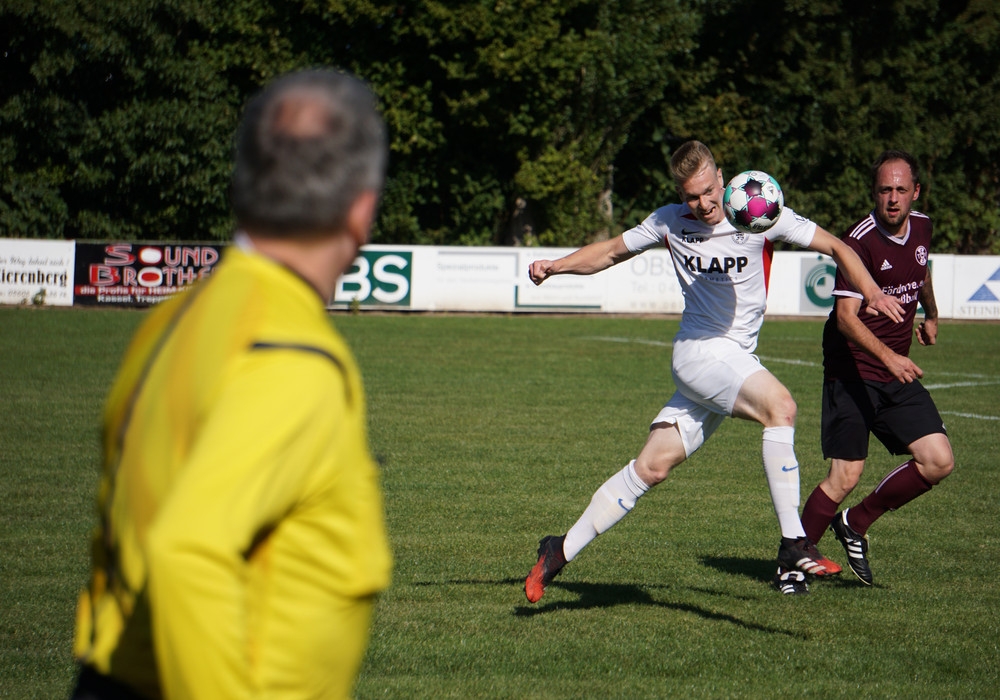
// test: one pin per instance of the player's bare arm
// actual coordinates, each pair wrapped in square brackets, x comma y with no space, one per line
[848,323]
[594,257]
[847,260]
[927,330]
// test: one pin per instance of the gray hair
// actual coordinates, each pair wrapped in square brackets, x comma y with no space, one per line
[309,144]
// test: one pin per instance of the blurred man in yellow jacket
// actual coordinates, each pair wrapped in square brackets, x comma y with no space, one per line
[241,537]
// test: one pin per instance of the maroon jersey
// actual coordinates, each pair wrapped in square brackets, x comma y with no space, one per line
[899,268]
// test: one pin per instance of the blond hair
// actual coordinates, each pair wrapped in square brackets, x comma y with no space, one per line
[689,159]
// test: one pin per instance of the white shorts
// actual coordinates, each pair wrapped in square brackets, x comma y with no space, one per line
[709,374]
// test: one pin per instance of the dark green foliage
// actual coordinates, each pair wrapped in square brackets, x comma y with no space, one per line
[512,121]
[117,120]
[507,117]
[825,87]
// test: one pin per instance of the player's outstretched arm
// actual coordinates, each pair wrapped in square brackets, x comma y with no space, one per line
[594,257]
[847,260]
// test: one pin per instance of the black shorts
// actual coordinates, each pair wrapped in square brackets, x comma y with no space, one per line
[91,685]
[897,414]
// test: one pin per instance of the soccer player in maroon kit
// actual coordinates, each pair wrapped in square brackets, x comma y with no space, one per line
[870,383]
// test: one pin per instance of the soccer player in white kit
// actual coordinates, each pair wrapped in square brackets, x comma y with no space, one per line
[723,275]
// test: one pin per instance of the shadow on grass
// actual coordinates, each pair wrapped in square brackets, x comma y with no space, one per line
[764,569]
[607,595]
[756,569]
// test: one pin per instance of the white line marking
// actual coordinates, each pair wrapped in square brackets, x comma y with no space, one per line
[783,361]
[640,341]
[963,374]
[958,384]
[806,363]
[969,415]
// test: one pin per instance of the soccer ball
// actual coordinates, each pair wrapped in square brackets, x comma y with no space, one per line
[753,201]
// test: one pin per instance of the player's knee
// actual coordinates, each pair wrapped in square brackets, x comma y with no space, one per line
[845,484]
[934,459]
[947,469]
[784,410]
[664,450]
[653,470]
[844,476]
[937,470]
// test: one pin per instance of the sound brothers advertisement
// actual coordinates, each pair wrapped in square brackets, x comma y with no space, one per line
[137,273]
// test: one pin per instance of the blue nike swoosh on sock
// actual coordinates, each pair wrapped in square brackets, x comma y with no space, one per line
[789,469]
[623,506]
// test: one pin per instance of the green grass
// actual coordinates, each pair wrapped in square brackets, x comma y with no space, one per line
[493,431]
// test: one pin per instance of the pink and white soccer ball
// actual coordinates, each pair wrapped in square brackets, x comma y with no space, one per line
[753,201]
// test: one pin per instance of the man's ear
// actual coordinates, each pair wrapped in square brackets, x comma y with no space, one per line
[361,216]
[916,192]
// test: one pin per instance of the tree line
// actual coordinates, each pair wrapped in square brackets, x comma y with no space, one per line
[512,122]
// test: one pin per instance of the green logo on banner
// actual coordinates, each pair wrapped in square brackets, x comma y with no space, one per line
[377,278]
[819,284]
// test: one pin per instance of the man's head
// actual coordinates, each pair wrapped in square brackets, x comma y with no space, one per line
[309,145]
[895,177]
[699,181]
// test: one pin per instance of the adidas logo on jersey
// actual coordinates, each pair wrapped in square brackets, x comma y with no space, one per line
[885,265]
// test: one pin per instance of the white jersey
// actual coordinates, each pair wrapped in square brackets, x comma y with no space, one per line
[723,272]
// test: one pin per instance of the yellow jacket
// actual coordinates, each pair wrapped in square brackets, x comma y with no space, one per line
[241,532]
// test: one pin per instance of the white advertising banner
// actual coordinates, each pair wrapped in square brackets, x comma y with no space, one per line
[975,285]
[495,279]
[427,278]
[474,279]
[36,272]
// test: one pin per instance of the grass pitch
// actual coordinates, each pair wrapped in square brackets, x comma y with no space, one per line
[494,431]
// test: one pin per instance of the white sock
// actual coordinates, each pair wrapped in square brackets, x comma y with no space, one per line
[782,471]
[610,503]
